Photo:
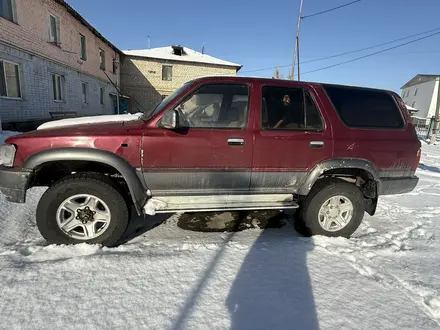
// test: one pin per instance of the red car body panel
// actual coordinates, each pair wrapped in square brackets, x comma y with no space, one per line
[175,158]
[122,139]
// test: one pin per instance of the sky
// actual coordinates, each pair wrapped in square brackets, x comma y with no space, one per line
[261,34]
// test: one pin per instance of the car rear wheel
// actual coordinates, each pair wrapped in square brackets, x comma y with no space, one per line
[333,208]
[83,208]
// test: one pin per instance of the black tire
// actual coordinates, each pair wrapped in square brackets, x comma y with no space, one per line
[84,183]
[307,223]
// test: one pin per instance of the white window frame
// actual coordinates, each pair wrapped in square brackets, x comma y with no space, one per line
[84,92]
[102,59]
[81,50]
[14,12]
[6,82]
[60,88]
[56,40]
[165,77]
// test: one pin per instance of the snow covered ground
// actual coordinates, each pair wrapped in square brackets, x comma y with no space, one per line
[386,277]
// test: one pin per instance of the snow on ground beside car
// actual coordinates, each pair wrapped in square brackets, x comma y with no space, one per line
[385,277]
[90,120]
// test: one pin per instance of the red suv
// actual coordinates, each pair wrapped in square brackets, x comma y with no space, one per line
[220,143]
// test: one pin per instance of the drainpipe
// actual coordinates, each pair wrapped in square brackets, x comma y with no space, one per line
[437,115]
[117,101]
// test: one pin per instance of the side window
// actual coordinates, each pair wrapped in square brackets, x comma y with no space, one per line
[365,108]
[313,117]
[289,109]
[216,106]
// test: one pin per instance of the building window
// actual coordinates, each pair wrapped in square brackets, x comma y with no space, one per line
[9,79]
[101,59]
[415,92]
[7,10]
[84,92]
[101,95]
[413,104]
[167,72]
[58,87]
[54,30]
[114,66]
[82,47]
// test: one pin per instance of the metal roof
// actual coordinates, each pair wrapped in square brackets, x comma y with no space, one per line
[420,79]
[186,55]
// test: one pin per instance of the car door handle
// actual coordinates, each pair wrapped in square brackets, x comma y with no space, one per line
[235,142]
[316,144]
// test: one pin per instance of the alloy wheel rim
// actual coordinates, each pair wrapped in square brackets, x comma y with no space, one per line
[335,213]
[83,217]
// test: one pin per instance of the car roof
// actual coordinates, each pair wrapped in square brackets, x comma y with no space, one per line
[279,82]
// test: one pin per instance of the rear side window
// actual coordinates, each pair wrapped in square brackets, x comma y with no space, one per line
[288,108]
[365,108]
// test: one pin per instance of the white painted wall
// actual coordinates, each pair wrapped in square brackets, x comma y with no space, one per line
[425,100]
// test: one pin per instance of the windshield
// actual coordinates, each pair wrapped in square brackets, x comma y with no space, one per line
[166,101]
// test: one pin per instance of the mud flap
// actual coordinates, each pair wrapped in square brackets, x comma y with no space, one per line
[371,205]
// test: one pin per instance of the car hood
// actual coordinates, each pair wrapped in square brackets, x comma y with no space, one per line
[92,129]
[87,126]
[72,122]
[121,138]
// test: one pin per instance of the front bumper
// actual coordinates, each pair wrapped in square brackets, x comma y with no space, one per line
[392,186]
[14,182]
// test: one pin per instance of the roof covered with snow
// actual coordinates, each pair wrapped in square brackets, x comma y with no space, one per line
[187,55]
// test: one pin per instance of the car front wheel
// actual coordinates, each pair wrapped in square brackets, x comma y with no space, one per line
[82,208]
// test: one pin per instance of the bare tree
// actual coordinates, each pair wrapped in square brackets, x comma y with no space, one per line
[277,74]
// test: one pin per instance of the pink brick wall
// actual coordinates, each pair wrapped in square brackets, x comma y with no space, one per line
[31,33]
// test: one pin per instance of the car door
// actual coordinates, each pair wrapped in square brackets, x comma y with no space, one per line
[291,137]
[211,151]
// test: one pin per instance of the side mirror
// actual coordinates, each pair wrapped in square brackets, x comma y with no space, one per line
[170,120]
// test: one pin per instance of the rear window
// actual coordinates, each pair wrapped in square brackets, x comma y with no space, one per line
[365,108]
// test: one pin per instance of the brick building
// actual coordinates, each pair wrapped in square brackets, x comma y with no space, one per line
[52,61]
[150,75]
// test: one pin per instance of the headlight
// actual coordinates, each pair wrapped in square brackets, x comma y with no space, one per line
[7,154]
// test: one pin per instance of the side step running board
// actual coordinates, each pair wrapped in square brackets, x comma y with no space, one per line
[207,203]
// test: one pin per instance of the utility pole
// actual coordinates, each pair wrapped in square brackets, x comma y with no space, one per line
[296,51]
[437,115]
[148,41]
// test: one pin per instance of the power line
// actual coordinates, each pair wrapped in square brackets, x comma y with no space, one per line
[372,54]
[331,9]
[348,52]
[370,47]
